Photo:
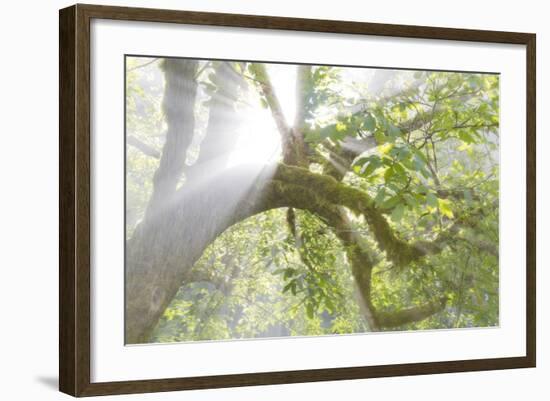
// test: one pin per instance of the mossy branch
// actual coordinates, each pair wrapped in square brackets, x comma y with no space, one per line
[286,194]
[282,193]
[398,251]
[332,192]
[410,315]
[297,187]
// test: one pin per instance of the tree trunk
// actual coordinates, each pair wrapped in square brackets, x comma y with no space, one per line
[164,249]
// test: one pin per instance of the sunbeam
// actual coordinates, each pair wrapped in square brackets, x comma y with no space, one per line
[259,141]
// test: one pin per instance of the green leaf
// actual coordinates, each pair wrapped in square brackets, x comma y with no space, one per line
[309,310]
[329,305]
[388,174]
[398,212]
[431,199]
[380,137]
[402,153]
[370,122]
[386,148]
[391,202]
[340,126]
[289,272]
[445,208]
[466,137]
[326,131]
[380,196]
[287,287]
[371,168]
[371,164]
[393,131]
[293,287]
[420,157]
[400,170]
[410,200]
[465,147]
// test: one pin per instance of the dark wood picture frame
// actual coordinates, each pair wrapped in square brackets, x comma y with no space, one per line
[74,199]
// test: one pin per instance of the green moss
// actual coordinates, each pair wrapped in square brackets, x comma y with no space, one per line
[332,192]
[410,315]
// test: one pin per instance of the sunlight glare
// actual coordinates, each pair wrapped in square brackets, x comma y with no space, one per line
[283,79]
[259,140]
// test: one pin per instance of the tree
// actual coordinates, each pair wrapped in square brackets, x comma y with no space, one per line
[398,184]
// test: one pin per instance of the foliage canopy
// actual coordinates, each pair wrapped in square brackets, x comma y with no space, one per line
[380,213]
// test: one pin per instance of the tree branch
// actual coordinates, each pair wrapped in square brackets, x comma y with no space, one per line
[292,144]
[259,72]
[223,122]
[332,192]
[452,233]
[410,315]
[145,149]
[178,104]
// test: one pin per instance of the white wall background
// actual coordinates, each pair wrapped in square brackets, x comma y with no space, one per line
[28,201]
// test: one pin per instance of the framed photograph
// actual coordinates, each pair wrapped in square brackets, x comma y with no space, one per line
[250,200]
